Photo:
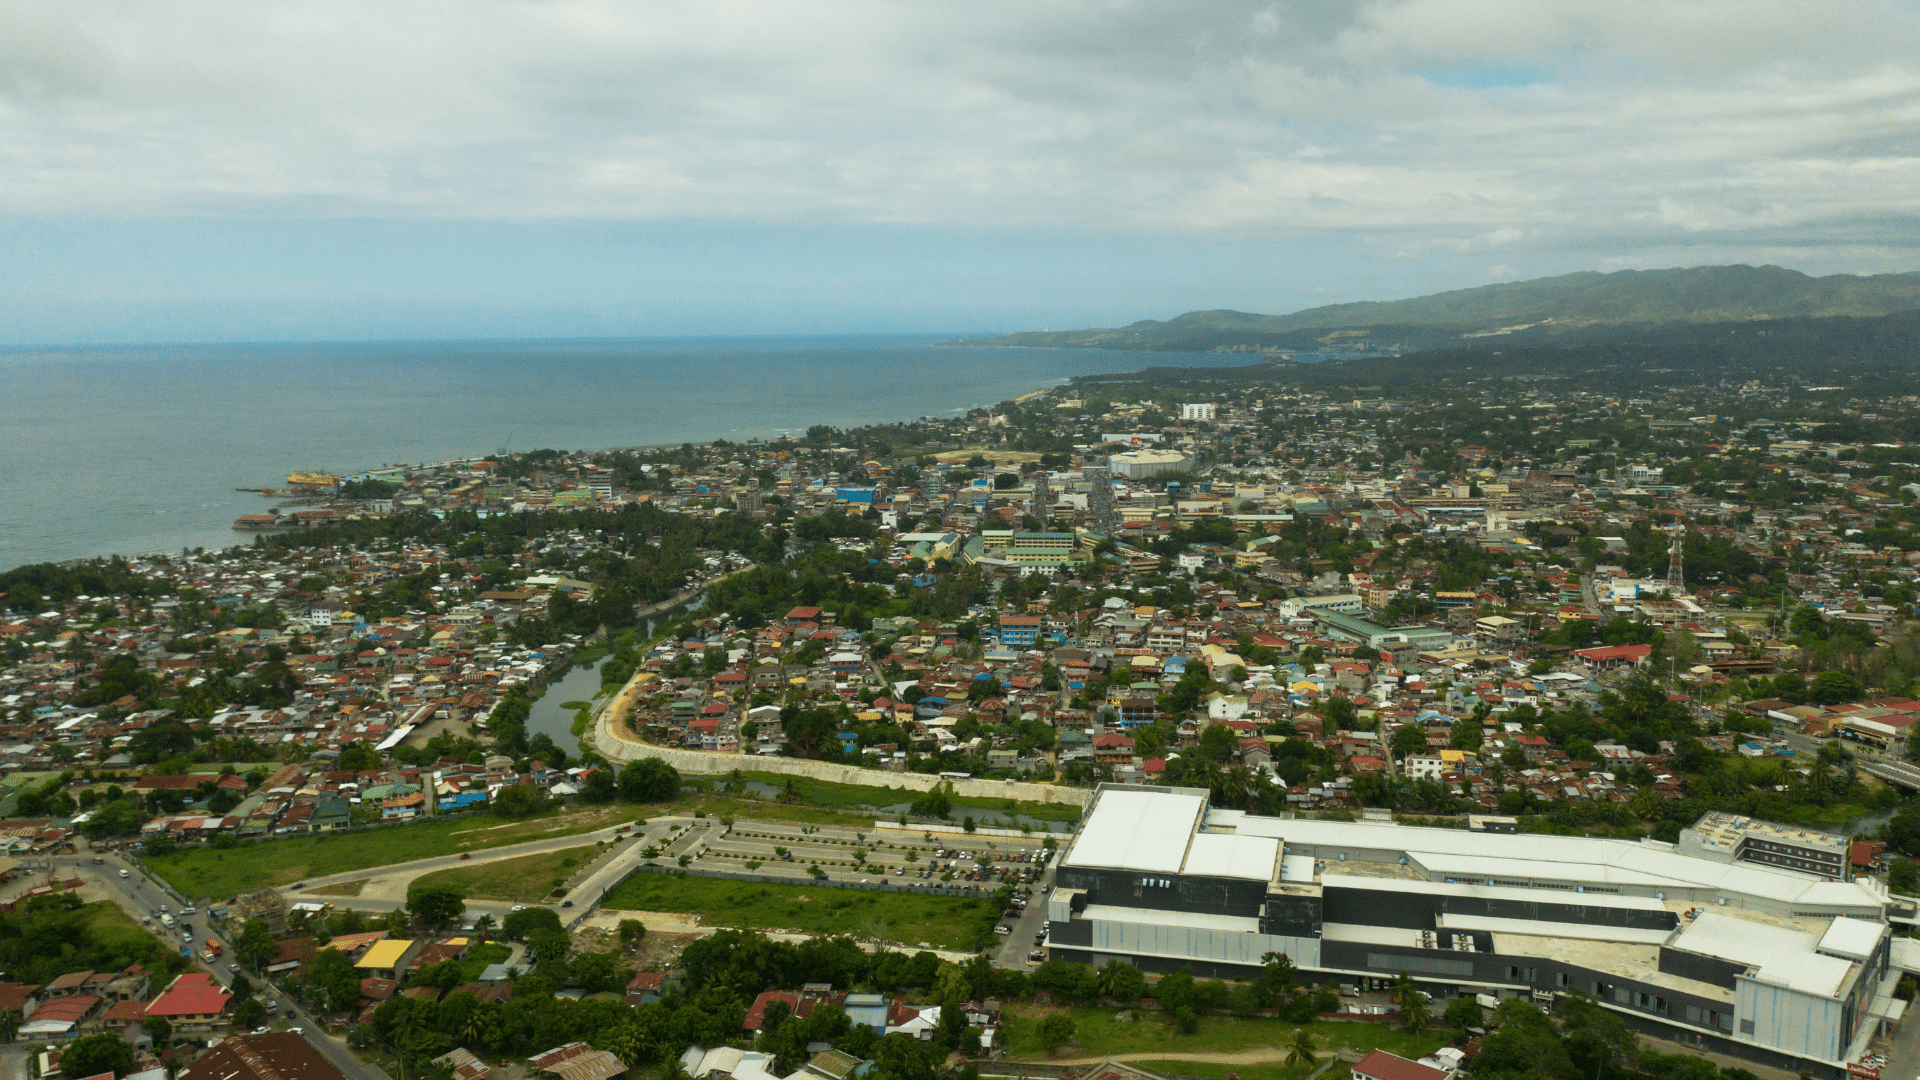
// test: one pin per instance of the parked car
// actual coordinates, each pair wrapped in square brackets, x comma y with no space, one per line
[465,855]
[1003,929]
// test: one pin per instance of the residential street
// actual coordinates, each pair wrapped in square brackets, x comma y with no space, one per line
[139,896]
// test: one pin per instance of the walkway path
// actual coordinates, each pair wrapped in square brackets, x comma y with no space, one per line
[387,885]
[676,922]
[1263,1055]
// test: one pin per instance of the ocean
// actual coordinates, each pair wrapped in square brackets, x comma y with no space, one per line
[133,450]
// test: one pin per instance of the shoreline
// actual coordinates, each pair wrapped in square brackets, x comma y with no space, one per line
[391,467]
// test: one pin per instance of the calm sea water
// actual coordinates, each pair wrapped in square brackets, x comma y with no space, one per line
[134,450]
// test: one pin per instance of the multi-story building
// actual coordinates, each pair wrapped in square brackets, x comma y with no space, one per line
[1019,631]
[1728,956]
[1727,837]
[1344,603]
[1040,549]
[1141,464]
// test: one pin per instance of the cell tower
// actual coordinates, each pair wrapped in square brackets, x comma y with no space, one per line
[1676,573]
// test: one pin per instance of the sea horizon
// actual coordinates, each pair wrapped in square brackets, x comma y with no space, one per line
[134,449]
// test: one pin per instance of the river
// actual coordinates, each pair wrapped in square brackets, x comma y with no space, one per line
[580,683]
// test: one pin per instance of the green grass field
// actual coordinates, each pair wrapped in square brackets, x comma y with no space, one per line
[476,960]
[527,879]
[831,796]
[209,872]
[1099,1034]
[111,926]
[946,922]
[1213,1070]
[697,801]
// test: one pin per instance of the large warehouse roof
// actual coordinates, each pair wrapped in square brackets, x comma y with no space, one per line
[1227,855]
[1139,830]
[1565,858]
[1774,954]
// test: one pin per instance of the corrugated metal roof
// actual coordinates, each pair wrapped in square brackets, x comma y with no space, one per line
[594,1065]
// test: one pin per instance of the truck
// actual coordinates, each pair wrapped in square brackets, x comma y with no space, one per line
[213,946]
[123,872]
[166,921]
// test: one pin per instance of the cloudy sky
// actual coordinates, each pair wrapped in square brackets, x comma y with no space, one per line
[201,171]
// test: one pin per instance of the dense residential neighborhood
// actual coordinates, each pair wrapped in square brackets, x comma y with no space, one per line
[1517,609]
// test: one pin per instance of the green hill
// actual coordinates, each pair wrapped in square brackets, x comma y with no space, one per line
[1544,306]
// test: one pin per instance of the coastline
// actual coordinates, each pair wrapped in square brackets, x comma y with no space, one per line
[470,459]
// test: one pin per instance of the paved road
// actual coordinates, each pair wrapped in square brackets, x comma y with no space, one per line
[386,886]
[139,896]
[1903,1049]
[587,895]
[16,1062]
[1898,772]
[1016,946]
[1888,767]
[405,872]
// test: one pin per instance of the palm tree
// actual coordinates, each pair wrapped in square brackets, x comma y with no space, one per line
[1413,1006]
[473,1030]
[483,927]
[1239,793]
[627,1044]
[1300,1054]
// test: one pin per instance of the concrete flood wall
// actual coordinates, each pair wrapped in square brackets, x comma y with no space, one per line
[705,763]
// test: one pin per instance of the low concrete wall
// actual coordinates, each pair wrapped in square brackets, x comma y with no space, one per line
[980,830]
[613,739]
[703,763]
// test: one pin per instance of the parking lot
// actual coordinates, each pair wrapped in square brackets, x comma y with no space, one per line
[882,856]
[894,856]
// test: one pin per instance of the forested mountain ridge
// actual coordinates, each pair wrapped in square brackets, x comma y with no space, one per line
[1627,299]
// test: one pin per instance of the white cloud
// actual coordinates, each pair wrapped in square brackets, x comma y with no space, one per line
[1507,122]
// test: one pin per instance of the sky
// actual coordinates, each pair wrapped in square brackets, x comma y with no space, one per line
[189,171]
